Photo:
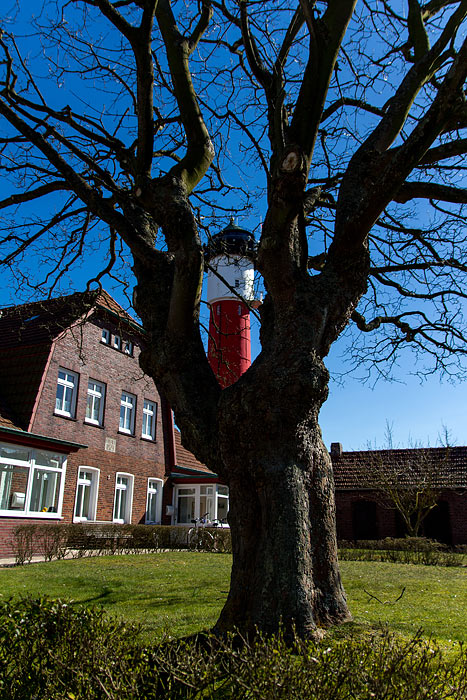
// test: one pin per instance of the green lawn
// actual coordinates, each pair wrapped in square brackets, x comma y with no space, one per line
[183,592]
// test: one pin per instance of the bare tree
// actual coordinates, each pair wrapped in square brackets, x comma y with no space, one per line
[151,117]
[407,481]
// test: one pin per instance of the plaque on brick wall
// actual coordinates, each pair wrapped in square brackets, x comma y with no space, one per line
[110,444]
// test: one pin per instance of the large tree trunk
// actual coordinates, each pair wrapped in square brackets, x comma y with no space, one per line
[282,515]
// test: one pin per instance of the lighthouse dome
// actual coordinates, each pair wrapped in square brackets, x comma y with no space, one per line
[232,240]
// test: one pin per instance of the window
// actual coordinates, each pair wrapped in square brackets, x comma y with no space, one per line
[67,389]
[127,413]
[86,494]
[117,342]
[105,338]
[123,498]
[154,502]
[95,402]
[237,284]
[31,481]
[149,420]
[222,502]
[128,348]
[197,501]
[186,501]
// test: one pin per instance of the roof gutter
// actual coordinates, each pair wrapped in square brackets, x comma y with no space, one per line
[28,437]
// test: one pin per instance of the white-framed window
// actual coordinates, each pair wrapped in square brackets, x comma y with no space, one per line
[117,342]
[95,402]
[87,489]
[105,338]
[154,501]
[222,503]
[201,500]
[31,481]
[67,390]
[186,504]
[123,498]
[127,413]
[149,420]
[128,348]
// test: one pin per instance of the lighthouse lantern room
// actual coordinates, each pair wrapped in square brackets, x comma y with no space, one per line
[230,254]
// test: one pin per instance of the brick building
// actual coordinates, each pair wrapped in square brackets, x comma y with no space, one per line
[85,436]
[81,427]
[361,515]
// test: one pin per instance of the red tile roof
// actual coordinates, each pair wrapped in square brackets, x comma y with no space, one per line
[26,335]
[447,467]
[6,416]
[40,322]
[186,459]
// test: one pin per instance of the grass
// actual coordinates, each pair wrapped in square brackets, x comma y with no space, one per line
[183,592]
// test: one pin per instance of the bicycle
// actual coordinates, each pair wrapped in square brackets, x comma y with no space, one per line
[198,538]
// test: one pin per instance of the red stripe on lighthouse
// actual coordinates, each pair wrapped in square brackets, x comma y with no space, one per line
[229,345]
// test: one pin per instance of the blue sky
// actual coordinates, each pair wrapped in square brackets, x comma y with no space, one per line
[355,413]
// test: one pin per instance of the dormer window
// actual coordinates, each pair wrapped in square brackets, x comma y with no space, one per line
[105,338]
[117,342]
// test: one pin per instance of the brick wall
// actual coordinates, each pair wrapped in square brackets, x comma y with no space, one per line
[80,350]
[7,527]
[386,522]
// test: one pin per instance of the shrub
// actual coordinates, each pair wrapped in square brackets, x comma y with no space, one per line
[406,550]
[86,539]
[53,650]
[24,543]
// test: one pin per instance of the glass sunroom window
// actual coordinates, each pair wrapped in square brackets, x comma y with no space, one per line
[201,500]
[45,491]
[31,481]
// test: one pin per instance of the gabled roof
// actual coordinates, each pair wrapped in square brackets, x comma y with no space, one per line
[445,467]
[39,322]
[6,416]
[27,333]
[186,461]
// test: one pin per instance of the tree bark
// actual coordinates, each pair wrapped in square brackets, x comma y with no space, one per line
[282,517]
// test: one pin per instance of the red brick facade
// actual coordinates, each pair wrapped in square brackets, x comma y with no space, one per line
[79,349]
[133,454]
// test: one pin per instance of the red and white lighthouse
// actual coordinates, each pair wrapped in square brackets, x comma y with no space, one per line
[230,254]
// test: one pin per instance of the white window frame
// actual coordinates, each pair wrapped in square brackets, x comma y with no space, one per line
[155,487]
[197,496]
[33,468]
[129,408]
[105,337]
[117,342]
[149,413]
[95,394]
[119,488]
[69,383]
[94,490]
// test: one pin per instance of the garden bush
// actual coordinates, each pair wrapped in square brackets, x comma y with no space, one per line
[404,550]
[56,651]
[89,539]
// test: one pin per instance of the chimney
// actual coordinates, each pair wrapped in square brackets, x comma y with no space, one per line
[336,450]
